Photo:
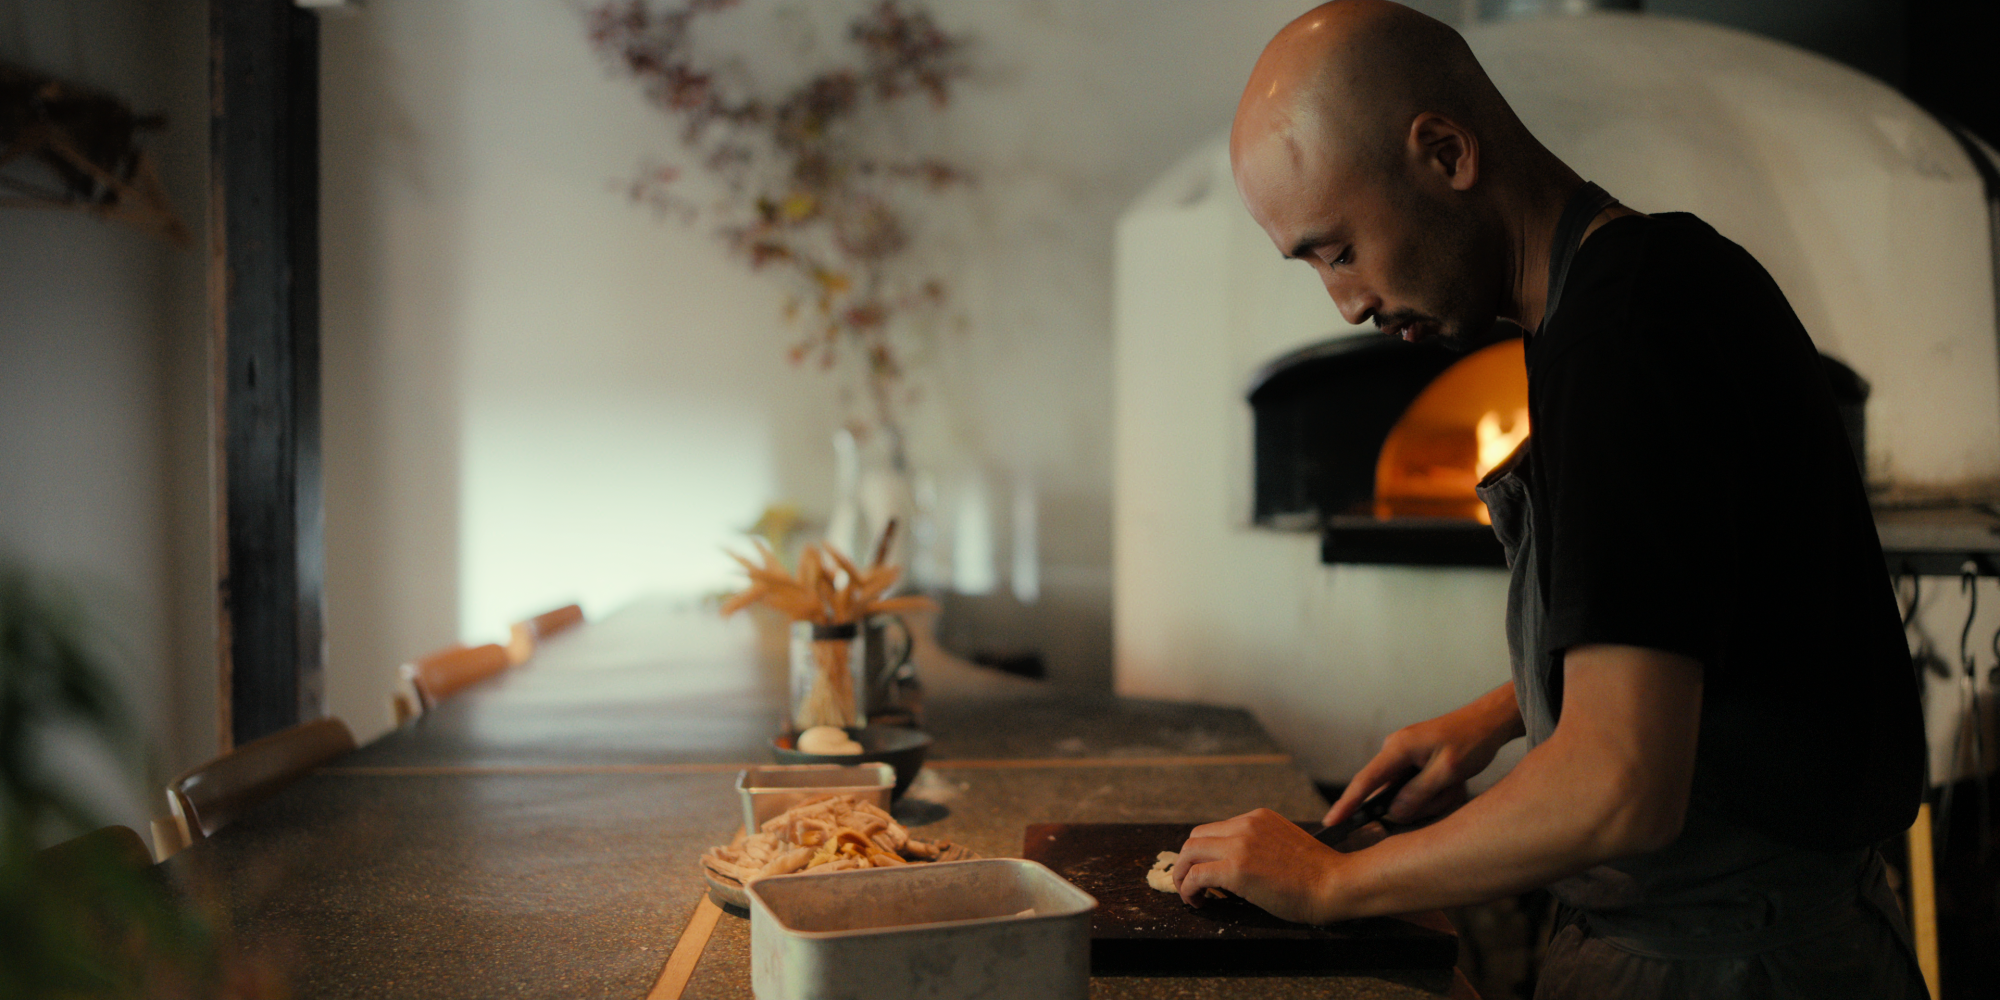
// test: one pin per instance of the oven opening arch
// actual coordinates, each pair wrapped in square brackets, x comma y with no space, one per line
[1377,444]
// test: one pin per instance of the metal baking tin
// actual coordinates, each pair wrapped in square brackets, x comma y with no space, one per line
[949,929]
[768,791]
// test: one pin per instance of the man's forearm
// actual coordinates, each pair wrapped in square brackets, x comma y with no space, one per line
[1447,750]
[1611,781]
[1503,712]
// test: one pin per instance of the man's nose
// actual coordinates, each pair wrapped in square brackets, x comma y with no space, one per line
[1354,304]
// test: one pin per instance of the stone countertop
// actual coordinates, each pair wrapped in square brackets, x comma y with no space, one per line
[362,885]
[464,886]
[989,810]
[1085,727]
[505,847]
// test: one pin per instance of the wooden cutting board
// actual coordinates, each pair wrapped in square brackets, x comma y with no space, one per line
[1138,930]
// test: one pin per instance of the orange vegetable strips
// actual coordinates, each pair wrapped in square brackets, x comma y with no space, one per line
[770,579]
[825,596]
[743,600]
[809,570]
[902,605]
[794,604]
[770,558]
[882,547]
[878,583]
[845,565]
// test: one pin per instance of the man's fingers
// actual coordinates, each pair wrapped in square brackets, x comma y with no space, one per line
[1196,882]
[1375,774]
[1196,850]
[1220,828]
[1350,799]
[1451,798]
[1416,797]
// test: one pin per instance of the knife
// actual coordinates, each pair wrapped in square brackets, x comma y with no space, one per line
[1372,809]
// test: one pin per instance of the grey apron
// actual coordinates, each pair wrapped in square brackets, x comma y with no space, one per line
[1723,911]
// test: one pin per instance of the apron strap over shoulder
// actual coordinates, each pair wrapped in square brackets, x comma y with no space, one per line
[1583,206]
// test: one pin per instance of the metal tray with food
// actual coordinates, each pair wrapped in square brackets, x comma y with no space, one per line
[944,930]
[825,833]
[769,790]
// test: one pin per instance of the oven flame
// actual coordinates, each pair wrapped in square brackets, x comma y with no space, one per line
[1498,435]
[1459,428]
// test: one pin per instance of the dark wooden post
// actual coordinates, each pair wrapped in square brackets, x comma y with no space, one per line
[264,306]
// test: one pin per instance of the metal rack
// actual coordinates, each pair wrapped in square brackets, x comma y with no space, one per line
[1940,541]
[1963,541]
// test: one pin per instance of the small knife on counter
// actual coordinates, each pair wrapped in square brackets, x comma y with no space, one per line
[1372,809]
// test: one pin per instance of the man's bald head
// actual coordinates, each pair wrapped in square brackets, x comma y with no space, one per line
[1370,143]
[1353,75]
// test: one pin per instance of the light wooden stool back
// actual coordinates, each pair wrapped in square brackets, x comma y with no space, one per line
[524,636]
[444,673]
[1923,898]
[211,796]
[116,845]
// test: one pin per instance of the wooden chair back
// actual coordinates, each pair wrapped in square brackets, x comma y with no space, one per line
[91,907]
[441,674]
[1923,898]
[167,838]
[209,797]
[114,845]
[405,703]
[525,635]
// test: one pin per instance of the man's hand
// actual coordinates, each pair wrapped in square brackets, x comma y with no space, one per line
[1266,859]
[1445,751]
[1613,780]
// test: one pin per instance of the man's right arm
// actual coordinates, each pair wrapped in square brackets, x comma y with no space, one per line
[1612,780]
[1447,751]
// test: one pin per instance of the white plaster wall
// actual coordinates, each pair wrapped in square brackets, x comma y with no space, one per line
[1331,659]
[535,392]
[103,395]
[1856,202]
[1860,204]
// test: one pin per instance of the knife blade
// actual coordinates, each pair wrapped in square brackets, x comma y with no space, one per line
[1372,809]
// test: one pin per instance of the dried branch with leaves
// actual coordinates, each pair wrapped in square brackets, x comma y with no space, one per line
[806,196]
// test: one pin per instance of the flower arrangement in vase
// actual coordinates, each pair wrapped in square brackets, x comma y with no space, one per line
[831,596]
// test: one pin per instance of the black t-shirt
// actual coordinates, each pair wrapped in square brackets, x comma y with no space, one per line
[1695,493]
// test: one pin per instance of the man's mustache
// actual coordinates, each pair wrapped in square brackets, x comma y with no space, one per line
[1383,322]
[1454,343]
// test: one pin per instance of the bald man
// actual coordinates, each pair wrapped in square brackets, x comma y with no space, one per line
[1709,665]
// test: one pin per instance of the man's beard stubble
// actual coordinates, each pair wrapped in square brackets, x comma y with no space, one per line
[1442,263]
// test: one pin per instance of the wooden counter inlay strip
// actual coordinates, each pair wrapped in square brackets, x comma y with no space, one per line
[525,770]
[687,952]
[1030,763]
[966,764]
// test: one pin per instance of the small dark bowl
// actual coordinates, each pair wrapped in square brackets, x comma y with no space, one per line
[901,749]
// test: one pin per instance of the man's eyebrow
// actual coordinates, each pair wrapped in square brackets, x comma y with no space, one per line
[1306,244]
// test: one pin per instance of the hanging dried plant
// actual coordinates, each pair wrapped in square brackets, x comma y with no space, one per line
[67,146]
[805,196]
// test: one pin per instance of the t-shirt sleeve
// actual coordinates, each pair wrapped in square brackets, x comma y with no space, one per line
[1630,519]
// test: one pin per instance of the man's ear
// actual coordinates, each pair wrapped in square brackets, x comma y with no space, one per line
[1445,150]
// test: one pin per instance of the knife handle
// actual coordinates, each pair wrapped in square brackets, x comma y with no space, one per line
[1371,809]
[1377,805]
